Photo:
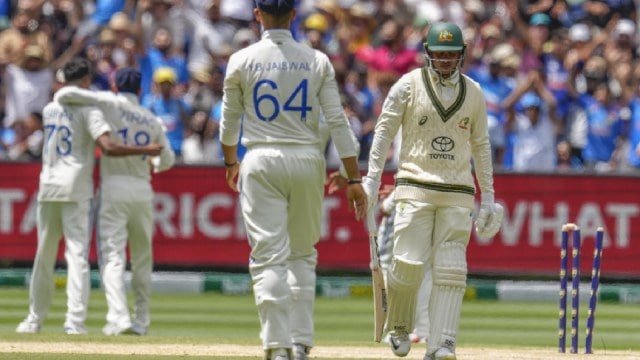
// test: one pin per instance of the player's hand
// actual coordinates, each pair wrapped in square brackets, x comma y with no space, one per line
[385,191]
[489,218]
[357,200]
[232,174]
[371,188]
[335,182]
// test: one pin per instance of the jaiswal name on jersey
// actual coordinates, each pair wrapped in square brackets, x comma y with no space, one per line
[279,66]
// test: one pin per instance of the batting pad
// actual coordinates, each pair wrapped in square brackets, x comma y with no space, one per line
[403,282]
[449,283]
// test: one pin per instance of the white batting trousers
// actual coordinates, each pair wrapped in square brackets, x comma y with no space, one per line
[55,219]
[120,222]
[426,233]
[281,192]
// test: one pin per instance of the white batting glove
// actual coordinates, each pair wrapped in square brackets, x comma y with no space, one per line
[371,188]
[489,217]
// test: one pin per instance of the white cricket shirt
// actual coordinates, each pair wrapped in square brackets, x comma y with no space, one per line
[126,177]
[281,87]
[68,154]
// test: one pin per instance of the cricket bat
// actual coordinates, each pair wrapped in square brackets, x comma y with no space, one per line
[379,290]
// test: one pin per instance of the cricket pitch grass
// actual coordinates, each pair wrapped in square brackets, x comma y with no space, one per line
[215,326]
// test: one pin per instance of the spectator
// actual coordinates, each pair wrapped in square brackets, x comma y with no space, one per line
[171,108]
[633,160]
[556,75]
[28,143]
[596,125]
[359,27]
[91,25]
[600,12]
[200,145]
[392,55]
[159,54]
[622,53]
[161,14]
[356,86]
[200,96]
[533,35]
[23,33]
[122,27]
[567,162]
[496,87]
[534,127]
[106,65]
[210,35]
[315,28]
[28,85]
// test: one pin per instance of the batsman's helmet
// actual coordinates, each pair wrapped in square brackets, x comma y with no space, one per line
[444,37]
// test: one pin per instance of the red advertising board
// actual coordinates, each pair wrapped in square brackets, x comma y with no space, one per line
[536,208]
[198,222]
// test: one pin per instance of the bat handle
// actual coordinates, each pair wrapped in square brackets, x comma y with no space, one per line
[371,222]
[373,242]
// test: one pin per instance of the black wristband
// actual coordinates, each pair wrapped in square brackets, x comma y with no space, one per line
[230,165]
[354,181]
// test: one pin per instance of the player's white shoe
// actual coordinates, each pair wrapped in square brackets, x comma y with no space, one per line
[28,327]
[278,354]
[443,353]
[75,329]
[301,352]
[399,343]
[114,330]
[138,329]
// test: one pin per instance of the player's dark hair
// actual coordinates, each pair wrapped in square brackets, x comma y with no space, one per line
[37,115]
[76,69]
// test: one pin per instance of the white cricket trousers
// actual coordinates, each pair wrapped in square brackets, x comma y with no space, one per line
[436,236]
[281,192]
[55,219]
[119,221]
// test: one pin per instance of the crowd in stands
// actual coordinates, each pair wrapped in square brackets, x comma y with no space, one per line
[561,77]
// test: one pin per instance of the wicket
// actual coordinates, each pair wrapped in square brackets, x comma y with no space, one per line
[575,287]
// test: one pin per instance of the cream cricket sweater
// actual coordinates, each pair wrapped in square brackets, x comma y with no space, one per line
[444,128]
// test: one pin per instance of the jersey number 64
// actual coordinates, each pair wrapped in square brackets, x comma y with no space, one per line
[297,101]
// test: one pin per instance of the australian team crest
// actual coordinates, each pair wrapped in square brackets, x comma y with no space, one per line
[445,36]
[464,123]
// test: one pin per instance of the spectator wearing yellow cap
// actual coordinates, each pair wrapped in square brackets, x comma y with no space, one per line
[165,103]
[315,27]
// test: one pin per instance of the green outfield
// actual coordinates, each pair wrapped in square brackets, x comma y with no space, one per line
[215,326]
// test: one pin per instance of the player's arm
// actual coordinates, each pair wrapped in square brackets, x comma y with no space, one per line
[387,126]
[480,145]
[112,148]
[101,132]
[337,122]
[167,157]
[232,110]
[71,95]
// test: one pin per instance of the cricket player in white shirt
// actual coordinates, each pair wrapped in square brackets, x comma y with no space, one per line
[125,199]
[64,200]
[278,88]
[443,121]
